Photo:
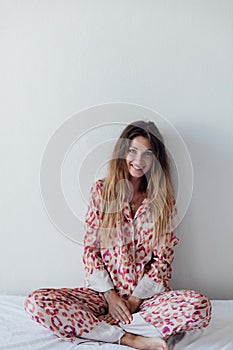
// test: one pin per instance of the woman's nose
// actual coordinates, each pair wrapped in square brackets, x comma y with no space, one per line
[139,158]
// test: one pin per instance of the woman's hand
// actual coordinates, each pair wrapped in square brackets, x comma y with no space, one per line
[133,304]
[118,307]
[108,318]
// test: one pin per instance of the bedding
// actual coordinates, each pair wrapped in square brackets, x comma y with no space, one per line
[19,332]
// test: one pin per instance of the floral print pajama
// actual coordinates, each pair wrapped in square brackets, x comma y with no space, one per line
[130,265]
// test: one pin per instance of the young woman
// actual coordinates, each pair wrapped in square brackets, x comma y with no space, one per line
[128,251]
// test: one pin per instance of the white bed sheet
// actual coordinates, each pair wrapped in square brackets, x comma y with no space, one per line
[18,332]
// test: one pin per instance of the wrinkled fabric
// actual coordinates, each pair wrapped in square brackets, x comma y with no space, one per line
[129,263]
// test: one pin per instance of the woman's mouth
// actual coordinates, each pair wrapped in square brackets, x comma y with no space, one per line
[137,167]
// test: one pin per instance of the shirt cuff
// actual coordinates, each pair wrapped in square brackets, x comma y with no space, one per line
[99,281]
[147,288]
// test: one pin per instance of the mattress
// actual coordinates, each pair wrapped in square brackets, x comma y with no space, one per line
[18,332]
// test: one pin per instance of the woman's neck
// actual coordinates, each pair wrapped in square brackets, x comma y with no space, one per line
[136,182]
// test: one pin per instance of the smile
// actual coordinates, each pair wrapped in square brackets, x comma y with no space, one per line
[137,168]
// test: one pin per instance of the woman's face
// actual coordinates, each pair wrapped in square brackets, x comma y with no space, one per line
[139,157]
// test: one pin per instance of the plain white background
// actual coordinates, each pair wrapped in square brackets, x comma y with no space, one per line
[60,57]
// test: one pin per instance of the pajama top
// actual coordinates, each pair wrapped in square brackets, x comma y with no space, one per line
[129,265]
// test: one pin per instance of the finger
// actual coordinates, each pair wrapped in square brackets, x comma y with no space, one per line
[115,316]
[109,318]
[126,314]
[123,317]
[101,317]
[118,316]
[112,321]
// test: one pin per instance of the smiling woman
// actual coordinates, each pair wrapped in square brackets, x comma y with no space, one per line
[139,158]
[128,253]
[139,169]
[139,162]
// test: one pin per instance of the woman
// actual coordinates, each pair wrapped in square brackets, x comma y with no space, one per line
[128,252]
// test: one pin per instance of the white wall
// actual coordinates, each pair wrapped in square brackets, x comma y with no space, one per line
[58,57]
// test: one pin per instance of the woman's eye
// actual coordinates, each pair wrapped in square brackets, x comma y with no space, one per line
[132,150]
[148,154]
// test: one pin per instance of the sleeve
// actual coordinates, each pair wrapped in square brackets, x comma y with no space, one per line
[96,276]
[158,272]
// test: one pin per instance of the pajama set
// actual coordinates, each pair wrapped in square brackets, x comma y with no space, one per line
[128,264]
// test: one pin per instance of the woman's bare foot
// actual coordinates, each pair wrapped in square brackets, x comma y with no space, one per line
[143,343]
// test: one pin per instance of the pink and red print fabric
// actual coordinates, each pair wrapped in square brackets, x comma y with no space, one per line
[72,313]
[130,265]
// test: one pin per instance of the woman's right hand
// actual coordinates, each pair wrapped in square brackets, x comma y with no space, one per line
[108,319]
[118,307]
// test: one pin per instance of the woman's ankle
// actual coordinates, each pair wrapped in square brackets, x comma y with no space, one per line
[127,339]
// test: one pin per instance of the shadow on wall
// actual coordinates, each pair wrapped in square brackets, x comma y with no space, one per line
[204,259]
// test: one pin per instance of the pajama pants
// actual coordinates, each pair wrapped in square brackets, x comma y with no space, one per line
[72,314]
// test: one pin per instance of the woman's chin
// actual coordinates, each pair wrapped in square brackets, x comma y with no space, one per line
[136,175]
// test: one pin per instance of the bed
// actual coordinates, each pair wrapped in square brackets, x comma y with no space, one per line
[18,332]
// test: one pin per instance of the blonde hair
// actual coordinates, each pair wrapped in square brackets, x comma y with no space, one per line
[156,183]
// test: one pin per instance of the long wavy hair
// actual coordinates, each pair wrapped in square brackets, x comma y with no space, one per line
[156,183]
